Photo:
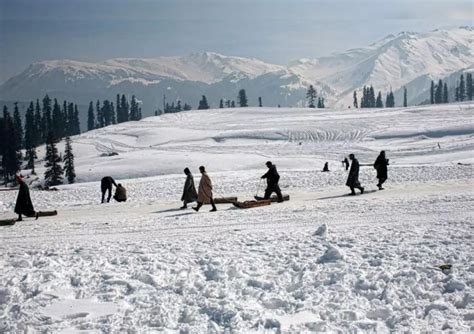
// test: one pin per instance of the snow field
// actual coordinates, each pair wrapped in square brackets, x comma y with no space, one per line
[321,262]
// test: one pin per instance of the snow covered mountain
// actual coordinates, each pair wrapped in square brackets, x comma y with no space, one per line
[407,59]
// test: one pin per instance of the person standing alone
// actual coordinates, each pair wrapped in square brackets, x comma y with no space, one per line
[24,205]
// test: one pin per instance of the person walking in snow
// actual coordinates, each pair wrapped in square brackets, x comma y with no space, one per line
[273,178]
[345,163]
[106,185]
[120,193]
[353,178]
[189,192]
[380,165]
[24,205]
[205,191]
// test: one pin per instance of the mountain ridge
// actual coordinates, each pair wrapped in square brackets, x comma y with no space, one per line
[389,63]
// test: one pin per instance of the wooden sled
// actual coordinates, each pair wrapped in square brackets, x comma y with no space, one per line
[47,213]
[225,200]
[7,222]
[273,198]
[252,204]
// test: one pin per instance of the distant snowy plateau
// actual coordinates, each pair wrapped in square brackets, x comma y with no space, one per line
[321,262]
[407,59]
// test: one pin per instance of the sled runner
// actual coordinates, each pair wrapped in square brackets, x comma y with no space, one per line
[47,213]
[252,204]
[273,198]
[7,222]
[224,200]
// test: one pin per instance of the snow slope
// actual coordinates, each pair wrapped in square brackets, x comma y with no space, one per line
[321,262]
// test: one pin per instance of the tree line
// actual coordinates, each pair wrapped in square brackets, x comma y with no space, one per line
[107,113]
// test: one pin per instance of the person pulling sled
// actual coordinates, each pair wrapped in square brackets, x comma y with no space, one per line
[380,165]
[273,178]
[24,205]
[205,191]
[106,186]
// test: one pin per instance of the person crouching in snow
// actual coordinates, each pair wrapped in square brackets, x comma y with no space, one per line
[189,192]
[120,193]
[205,191]
[23,205]
[353,178]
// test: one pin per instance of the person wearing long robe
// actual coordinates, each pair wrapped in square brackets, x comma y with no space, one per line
[353,178]
[205,191]
[189,191]
[24,205]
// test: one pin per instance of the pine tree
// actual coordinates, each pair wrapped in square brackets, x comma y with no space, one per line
[363,100]
[46,118]
[221,104]
[203,103]
[11,156]
[118,109]
[38,127]
[378,102]
[260,104]
[311,96]
[432,92]
[232,104]
[469,87]
[134,109]
[18,127]
[187,107]
[243,102]
[69,161]
[445,93]
[54,171]
[405,97]
[372,97]
[124,108]
[456,94]
[100,116]
[30,137]
[90,117]
[462,89]
[57,123]
[355,103]
[439,92]
[76,125]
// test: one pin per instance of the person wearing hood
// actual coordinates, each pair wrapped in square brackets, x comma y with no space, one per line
[273,178]
[380,165]
[120,193]
[24,205]
[189,191]
[353,178]
[205,191]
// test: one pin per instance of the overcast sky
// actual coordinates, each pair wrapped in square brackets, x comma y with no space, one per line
[275,31]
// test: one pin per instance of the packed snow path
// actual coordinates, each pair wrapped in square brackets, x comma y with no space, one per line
[320,262]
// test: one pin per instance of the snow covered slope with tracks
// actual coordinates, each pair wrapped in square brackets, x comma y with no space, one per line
[322,262]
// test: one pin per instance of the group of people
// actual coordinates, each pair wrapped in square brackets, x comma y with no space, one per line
[380,166]
[204,194]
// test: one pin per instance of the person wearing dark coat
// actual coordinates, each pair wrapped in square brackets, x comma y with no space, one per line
[380,165]
[120,193]
[106,185]
[326,167]
[189,191]
[273,178]
[345,162]
[23,205]
[353,178]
